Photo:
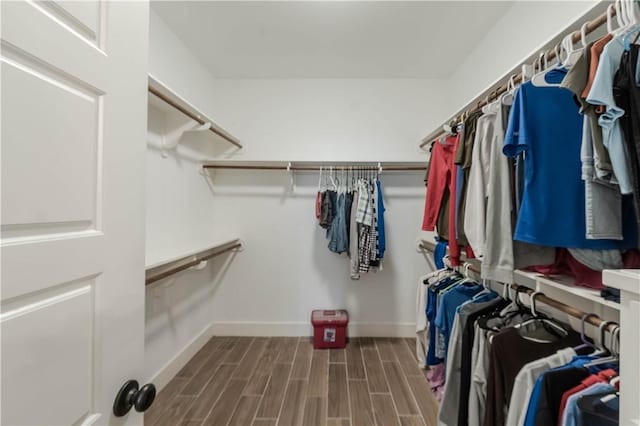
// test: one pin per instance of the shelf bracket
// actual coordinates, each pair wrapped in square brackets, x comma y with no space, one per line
[171,142]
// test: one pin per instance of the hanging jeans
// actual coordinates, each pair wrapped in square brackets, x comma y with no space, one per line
[338,241]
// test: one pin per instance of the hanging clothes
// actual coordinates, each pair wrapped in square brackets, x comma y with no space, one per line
[442,178]
[545,123]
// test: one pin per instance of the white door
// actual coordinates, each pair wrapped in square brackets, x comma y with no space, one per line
[74,93]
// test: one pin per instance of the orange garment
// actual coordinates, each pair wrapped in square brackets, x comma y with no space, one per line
[596,51]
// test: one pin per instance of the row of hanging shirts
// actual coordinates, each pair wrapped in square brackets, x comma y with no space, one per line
[549,173]
[350,207]
[494,361]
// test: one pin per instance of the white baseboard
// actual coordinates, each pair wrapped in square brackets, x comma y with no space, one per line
[355,329]
[174,365]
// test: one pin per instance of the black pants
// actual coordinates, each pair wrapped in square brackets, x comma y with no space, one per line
[627,95]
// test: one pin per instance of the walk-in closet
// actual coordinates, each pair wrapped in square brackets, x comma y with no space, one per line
[320,213]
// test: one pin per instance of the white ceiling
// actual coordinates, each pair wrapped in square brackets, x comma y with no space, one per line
[331,39]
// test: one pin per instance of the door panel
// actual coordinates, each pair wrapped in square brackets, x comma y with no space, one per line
[61,192]
[83,17]
[60,353]
[74,80]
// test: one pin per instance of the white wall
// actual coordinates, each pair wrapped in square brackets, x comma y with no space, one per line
[286,252]
[330,119]
[286,269]
[179,211]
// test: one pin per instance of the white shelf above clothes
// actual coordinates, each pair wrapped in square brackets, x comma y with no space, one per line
[561,284]
[163,97]
[564,284]
[315,165]
[159,269]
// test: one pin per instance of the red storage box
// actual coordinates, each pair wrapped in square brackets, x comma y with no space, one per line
[329,328]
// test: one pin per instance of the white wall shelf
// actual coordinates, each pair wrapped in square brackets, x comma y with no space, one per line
[564,284]
[158,270]
[162,96]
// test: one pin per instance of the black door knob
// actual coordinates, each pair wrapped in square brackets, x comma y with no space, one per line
[131,395]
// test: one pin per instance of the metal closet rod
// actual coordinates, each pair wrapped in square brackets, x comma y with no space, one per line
[316,168]
[550,55]
[194,117]
[190,264]
[569,310]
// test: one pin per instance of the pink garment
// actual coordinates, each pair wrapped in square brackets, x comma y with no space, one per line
[436,378]
[566,264]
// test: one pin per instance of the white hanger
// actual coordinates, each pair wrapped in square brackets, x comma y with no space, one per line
[333,182]
[619,16]
[573,54]
[320,180]
[583,35]
[539,79]
[610,9]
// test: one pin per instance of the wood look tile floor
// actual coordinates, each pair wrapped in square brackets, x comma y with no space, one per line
[283,381]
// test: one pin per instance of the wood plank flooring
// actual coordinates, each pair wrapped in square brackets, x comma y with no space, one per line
[283,381]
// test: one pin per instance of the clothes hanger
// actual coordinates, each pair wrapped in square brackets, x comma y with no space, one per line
[610,10]
[332,178]
[540,79]
[507,98]
[602,328]
[633,16]
[583,336]
[613,356]
[573,54]
[551,326]
[583,35]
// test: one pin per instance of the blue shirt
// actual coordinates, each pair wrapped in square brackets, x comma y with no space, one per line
[601,93]
[546,126]
[439,253]
[432,308]
[572,414]
[577,361]
[382,241]
[448,306]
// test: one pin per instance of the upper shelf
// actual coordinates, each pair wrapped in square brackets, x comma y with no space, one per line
[168,96]
[157,270]
[562,283]
[623,279]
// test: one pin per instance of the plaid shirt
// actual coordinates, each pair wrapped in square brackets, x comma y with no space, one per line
[364,253]
[364,213]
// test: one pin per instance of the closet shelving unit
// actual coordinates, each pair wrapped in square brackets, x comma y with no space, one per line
[536,281]
[473,266]
[392,166]
[564,284]
[169,97]
[533,280]
[159,270]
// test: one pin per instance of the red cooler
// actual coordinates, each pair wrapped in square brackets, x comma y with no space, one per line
[329,328]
